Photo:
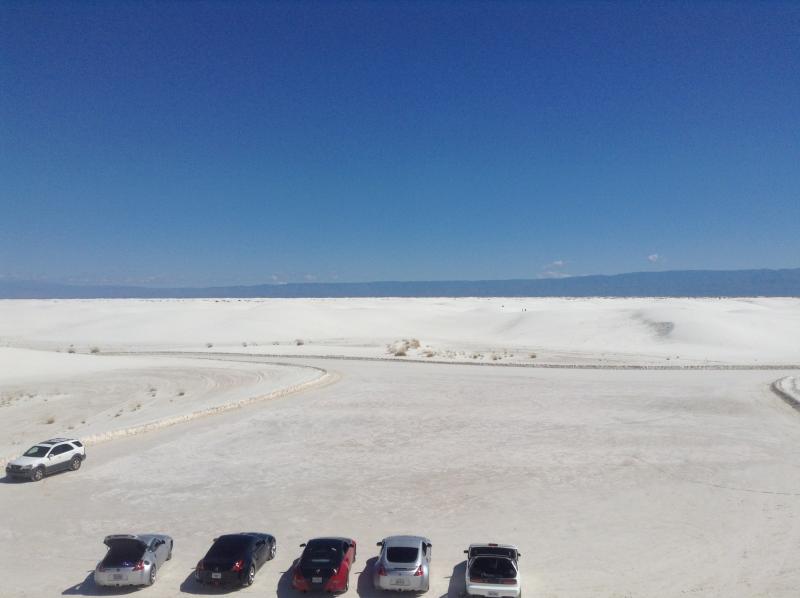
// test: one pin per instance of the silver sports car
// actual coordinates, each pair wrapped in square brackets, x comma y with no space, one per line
[404,564]
[133,560]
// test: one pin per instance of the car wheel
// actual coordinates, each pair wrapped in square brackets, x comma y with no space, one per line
[347,583]
[75,464]
[37,474]
[272,550]
[169,554]
[250,577]
[152,579]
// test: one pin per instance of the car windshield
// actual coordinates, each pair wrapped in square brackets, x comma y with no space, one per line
[402,554]
[37,451]
[490,567]
[228,546]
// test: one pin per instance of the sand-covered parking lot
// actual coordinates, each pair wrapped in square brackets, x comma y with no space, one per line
[612,482]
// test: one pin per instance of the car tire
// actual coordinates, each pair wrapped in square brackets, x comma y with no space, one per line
[169,554]
[250,577]
[152,578]
[272,550]
[37,474]
[75,464]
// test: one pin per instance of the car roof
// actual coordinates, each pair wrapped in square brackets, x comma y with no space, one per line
[410,541]
[56,441]
[330,539]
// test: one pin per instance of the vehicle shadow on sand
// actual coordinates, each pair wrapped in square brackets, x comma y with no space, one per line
[88,588]
[365,587]
[457,586]
[191,586]
[285,583]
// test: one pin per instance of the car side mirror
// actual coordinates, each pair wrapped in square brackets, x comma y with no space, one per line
[49,456]
[379,544]
[303,545]
[466,552]
[352,545]
[430,545]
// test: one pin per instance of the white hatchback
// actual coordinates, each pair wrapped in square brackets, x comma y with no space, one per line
[493,571]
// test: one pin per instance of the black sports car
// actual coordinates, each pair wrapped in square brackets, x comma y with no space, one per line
[235,558]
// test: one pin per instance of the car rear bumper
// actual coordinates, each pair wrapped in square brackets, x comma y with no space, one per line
[121,577]
[493,591]
[225,577]
[401,582]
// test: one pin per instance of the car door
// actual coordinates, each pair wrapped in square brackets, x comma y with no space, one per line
[159,549]
[58,459]
[260,552]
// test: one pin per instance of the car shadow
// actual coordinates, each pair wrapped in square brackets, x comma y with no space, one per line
[285,583]
[10,480]
[88,588]
[457,586]
[191,586]
[365,587]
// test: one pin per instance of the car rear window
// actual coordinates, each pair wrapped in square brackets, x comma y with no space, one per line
[78,444]
[228,546]
[322,555]
[401,554]
[489,567]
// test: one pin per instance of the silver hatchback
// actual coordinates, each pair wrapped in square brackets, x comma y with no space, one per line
[404,564]
[133,560]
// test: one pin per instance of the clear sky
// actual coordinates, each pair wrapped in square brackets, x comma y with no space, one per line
[212,143]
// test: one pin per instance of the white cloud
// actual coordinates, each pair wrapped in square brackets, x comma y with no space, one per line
[653,258]
[309,277]
[554,270]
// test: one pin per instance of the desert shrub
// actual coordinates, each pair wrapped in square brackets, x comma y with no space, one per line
[532,355]
[71,349]
[95,350]
[50,420]
[299,342]
[209,345]
[244,344]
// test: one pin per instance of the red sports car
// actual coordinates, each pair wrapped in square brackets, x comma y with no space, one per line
[325,565]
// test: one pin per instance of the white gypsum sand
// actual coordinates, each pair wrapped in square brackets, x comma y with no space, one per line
[556,330]
[612,482]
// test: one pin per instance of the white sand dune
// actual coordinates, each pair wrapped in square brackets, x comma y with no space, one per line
[746,331]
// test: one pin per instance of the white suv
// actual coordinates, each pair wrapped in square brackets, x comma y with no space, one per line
[50,456]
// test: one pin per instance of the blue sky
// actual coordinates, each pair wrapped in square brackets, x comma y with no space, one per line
[241,142]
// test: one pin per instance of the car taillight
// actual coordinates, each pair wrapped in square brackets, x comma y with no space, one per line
[418,572]
[381,570]
[200,565]
[238,566]
[509,581]
[101,568]
[139,566]
[298,574]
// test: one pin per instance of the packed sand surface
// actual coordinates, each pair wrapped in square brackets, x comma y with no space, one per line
[92,397]
[613,483]
[599,330]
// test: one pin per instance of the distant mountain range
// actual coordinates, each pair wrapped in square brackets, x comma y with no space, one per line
[679,283]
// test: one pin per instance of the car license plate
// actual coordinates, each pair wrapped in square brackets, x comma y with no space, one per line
[216,576]
[316,580]
[494,593]
[117,577]
[399,581]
